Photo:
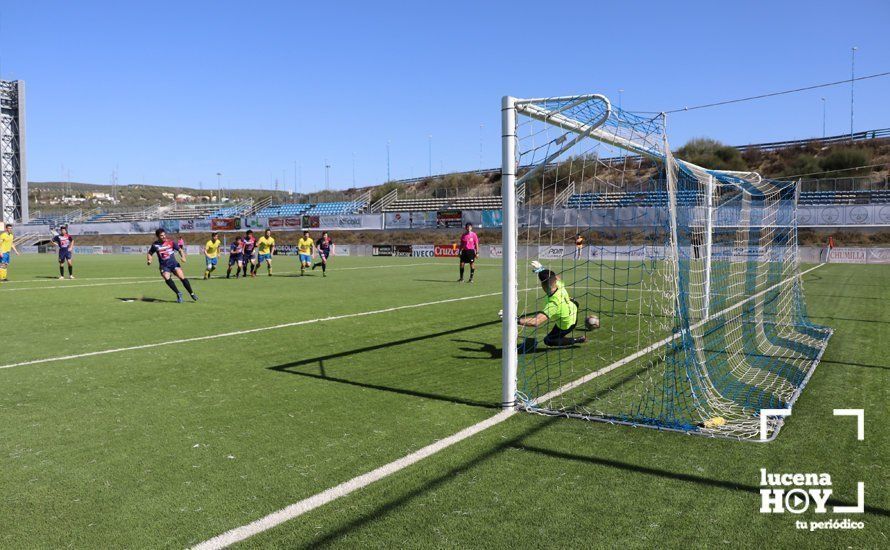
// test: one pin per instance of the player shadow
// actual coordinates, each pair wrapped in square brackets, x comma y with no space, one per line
[493,351]
[292,368]
[452,281]
[297,275]
[148,300]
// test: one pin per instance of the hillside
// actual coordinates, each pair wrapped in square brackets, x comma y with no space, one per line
[807,160]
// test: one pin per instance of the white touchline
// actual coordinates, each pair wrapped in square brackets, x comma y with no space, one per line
[297,509]
[69,284]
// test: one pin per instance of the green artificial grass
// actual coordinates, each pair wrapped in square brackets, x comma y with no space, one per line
[172,444]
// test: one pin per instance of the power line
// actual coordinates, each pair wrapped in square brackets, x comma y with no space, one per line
[773,94]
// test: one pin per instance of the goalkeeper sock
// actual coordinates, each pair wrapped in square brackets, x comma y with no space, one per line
[172,286]
[187,285]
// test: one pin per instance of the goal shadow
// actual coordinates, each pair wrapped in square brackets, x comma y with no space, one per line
[298,368]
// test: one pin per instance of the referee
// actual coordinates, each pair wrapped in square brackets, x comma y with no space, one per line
[469,249]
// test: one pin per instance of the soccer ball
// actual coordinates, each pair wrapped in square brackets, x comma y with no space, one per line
[592,322]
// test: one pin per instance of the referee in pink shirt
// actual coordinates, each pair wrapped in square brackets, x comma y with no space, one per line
[469,249]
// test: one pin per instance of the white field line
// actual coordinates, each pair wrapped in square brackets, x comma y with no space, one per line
[297,509]
[246,331]
[140,280]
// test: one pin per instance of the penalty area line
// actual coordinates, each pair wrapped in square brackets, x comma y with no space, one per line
[308,504]
[246,331]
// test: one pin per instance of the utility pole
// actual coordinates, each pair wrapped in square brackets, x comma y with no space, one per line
[481,128]
[852,85]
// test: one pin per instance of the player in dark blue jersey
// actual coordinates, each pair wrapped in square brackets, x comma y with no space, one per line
[250,254]
[65,243]
[325,248]
[236,257]
[166,250]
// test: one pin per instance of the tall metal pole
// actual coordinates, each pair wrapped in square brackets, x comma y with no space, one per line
[852,85]
[327,175]
[295,178]
[219,187]
[823,118]
[510,291]
[481,128]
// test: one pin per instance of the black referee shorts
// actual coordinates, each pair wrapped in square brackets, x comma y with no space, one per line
[467,256]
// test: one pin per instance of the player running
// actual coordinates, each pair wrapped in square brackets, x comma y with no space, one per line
[211,254]
[250,255]
[560,309]
[266,247]
[304,248]
[6,244]
[166,250]
[236,257]
[325,248]
[469,248]
[65,243]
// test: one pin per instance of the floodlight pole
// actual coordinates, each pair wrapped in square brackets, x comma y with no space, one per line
[509,230]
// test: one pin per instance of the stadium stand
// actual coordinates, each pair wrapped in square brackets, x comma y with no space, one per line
[458,203]
[283,210]
[659,198]
[336,208]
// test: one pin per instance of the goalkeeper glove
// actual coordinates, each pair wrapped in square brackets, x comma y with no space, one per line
[536,266]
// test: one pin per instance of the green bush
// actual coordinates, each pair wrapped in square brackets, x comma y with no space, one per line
[804,163]
[710,153]
[846,158]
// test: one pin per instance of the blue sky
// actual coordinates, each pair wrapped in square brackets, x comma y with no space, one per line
[173,92]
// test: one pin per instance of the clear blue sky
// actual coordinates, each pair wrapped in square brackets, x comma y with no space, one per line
[173,92]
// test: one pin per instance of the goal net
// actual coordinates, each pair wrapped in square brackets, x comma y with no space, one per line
[691,273]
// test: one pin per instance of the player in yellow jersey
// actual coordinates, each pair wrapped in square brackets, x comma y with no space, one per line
[305,247]
[266,247]
[6,245]
[211,254]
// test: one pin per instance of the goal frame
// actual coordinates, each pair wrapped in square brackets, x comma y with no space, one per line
[511,108]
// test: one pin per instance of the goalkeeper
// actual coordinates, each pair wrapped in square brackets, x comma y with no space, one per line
[560,309]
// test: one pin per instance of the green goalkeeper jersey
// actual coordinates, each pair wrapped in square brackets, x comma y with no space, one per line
[560,308]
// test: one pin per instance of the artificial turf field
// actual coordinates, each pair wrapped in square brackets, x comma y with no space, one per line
[171,444]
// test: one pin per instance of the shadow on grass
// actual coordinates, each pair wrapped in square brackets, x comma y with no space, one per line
[147,300]
[849,364]
[516,443]
[833,318]
[291,368]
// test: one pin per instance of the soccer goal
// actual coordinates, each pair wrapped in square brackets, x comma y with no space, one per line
[692,273]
